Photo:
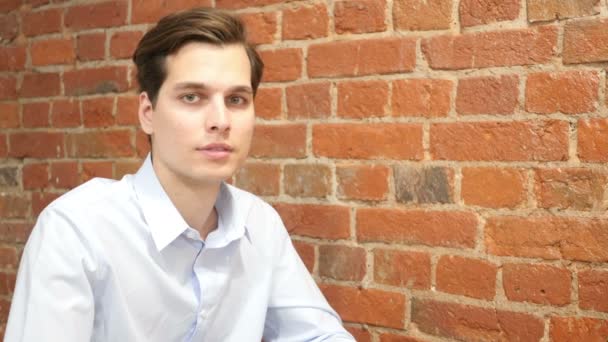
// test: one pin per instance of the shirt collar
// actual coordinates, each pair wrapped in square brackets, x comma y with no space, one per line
[165,221]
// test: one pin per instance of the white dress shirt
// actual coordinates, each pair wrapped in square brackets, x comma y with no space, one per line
[114,261]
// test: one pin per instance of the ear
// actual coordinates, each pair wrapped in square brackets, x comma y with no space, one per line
[145,113]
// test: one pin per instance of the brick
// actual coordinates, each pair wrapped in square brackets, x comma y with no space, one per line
[360,334]
[41,200]
[414,184]
[95,80]
[487,95]
[491,49]
[362,57]
[268,103]
[375,307]
[470,323]
[282,64]
[236,4]
[306,252]
[150,11]
[279,141]
[12,58]
[586,41]
[40,85]
[481,12]
[126,110]
[65,113]
[35,114]
[8,88]
[9,27]
[566,329]
[593,140]
[362,182]
[410,270]
[548,237]
[421,15]
[111,143]
[37,3]
[36,145]
[308,100]
[35,176]
[103,14]
[41,22]
[504,141]
[305,22]
[359,16]
[123,168]
[362,99]
[388,337]
[467,277]
[64,174]
[142,144]
[493,187]
[417,227]
[261,28]
[342,262]
[545,10]
[9,115]
[593,290]
[53,51]
[9,5]
[421,97]
[368,141]
[540,284]
[571,92]
[7,283]
[13,205]
[123,44]
[259,178]
[91,46]
[313,220]
[3,146]
[8,257]
[98,112]
[8,176]
[307,180]
[574,188]
[90,170]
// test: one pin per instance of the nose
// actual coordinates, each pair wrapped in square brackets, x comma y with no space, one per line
[218,117]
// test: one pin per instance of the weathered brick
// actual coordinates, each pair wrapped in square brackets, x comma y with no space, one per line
[417,227]
[101,169]
[53,51]
[98,112]
[65,113]
[487,95]
[235,4]
[36,145]
[541,284]
[13,205]
[307,180]
[261,27]
[126,110]
[470,323]
[422,185]
[468,277]
[123,44]
[320,221]
[12,58]
[64,174]
[593,140]
[421,97]
[40,85]
[389,337]
[593,290]
[7,283]
[311,100]
[282,64]
[368,141]
[586,41]
[369,306]
[362,99]
[261,179]
[41,22]
[305,22]
[342,262]
[122,168]
[493,187]
[9,115]
[362,57]
[35,114]
[8,88]
[360,334]
[35,176]
[150,11]
[548,237]
[41,200]
[575,188]
[8,176]
[420,15]
[359,16]
[505,141]
[491,49]
[95,80]
[362,182]
[3,145]
[279,141]
[111,143]
[481,12]
[91,46]
[544,10]
[9,5]
[268,103]
[103,14]
[411,270]
[306,252]
[570,92]
[567,329]
[8,257]
[9,27]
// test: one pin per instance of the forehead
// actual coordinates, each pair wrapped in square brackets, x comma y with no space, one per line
[218,66]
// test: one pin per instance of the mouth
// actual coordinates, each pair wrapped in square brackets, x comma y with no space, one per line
[216,150]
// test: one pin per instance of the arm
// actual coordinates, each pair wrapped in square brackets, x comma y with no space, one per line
[53,298]
[297,310]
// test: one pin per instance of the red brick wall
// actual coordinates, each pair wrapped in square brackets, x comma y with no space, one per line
[440,164]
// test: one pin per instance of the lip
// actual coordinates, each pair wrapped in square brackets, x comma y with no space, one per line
[216,151]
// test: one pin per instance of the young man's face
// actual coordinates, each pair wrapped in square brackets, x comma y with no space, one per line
[203,120]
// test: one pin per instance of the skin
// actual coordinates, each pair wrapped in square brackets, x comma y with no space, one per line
[206,99]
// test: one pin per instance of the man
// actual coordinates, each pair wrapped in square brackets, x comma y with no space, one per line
[172,253]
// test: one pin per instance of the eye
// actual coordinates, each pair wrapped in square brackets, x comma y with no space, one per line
[237,100]
[190,98]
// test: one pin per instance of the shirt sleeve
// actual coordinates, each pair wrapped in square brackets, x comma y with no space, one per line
[297,310]
[53,298]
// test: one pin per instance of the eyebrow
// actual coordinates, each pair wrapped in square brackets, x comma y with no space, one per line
[203,86]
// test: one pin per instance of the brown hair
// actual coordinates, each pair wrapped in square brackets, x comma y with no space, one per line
[173,31]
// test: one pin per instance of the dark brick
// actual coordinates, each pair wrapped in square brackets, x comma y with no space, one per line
[423,185]
[8,176]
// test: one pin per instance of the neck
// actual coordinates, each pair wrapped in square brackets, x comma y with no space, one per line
[194,201]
